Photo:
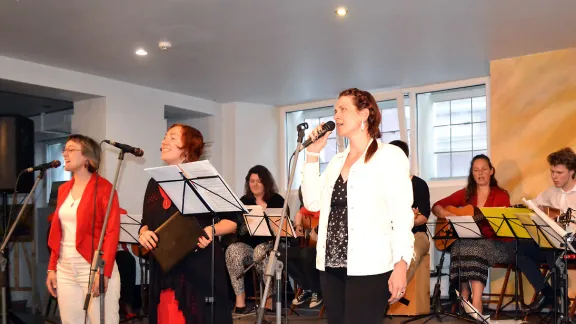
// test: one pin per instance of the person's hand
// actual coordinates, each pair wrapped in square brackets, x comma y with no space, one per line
[299,230]
[51,283]
[204,242]
[96,285]
[397,282]
[416,212]
[148,239]
[319,144]
[314,235]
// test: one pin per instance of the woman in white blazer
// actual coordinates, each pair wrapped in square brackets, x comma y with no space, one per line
[365,242]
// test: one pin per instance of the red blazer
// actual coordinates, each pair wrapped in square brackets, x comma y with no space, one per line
[497,198]
[84,223]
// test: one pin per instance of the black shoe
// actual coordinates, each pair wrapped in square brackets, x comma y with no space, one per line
[240,310]
[541,301]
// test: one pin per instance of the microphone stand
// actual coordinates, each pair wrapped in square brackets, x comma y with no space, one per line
[274,266]
[4,281]
[98,261]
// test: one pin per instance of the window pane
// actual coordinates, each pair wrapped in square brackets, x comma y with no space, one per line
[323,167]
[312,123]
[479,134]
[461,163]
[479,109]
[462,137]
[325,120]
[442,161]
[390,120]
[441,113]
[442,139]
[407,114]
[390,136]
[329,150]
[460,111]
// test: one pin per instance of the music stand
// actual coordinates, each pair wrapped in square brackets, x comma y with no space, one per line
[506,224]
[197,188]
[444,234]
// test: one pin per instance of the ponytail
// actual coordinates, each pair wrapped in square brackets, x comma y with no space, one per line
[371,150]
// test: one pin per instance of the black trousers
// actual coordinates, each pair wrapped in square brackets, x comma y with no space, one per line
[127,268]
[530,256]
[302,267]
[354,299]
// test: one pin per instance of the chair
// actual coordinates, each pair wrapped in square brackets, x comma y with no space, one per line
[417,292]
[502,294]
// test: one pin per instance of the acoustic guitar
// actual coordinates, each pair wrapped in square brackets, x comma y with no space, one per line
[444,229]
[310,223]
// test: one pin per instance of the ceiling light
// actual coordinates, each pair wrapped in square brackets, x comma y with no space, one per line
[341,11]
[141,52]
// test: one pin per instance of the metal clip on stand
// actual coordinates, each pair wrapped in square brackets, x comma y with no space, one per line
[273,263]
[98,261]
[4,280]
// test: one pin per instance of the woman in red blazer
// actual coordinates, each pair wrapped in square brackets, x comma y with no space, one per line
[75,232]
[470,259]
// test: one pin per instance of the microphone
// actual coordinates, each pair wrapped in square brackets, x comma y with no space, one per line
[126,148]
[44,166]
[329,126]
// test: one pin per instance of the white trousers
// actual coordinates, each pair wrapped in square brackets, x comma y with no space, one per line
[71,287]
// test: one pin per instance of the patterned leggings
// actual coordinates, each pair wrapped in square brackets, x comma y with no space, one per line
[239,255]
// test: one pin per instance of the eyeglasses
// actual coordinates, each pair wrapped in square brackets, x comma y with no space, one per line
[69,150]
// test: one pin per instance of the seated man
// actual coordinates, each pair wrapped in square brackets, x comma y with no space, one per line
[421,208]
[562,195]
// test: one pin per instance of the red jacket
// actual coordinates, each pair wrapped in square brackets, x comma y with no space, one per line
[497,198]
[84,223]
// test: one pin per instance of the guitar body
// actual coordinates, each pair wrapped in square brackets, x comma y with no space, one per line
[443,227]
[310,223]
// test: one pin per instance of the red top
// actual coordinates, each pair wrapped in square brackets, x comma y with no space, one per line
[84,219]
[307,213]
[497,198]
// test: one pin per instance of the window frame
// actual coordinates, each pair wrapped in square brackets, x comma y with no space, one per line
[382,95]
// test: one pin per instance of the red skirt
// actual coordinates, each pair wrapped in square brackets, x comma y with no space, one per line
[168,312]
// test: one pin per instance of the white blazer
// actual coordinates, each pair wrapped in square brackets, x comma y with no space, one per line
[380,216]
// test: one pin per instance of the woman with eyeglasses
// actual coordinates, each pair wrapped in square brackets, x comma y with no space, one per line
[75,233]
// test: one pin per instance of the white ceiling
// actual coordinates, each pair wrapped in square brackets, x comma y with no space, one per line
[282,52]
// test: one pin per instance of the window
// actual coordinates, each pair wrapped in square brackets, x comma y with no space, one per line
[451,130]
[54,152]
[390,127]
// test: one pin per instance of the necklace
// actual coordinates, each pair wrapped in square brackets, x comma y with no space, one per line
[73,201]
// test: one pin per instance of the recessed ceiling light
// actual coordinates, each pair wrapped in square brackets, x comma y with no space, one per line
[341,11]
[141,52]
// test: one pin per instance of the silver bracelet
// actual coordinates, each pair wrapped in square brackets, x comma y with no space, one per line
[312,153]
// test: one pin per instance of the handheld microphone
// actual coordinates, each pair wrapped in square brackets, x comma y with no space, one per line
[44,166]
[328,127]
[126,148]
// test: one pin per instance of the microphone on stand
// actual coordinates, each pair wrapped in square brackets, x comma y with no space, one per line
[126,148]
[44,166]
[327,127]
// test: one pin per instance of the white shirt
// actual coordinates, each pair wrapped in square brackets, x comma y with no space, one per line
[67,216]
[558,198]
[380,217]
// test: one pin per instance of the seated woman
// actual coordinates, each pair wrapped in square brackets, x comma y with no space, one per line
[472,258]
[260,189]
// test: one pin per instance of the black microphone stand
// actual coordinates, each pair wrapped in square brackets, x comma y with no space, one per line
[4,280]
[275,266]
[98,261]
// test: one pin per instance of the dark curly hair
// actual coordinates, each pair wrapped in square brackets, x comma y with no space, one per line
[472,185]
[364,100]
[265,177]
[565,156]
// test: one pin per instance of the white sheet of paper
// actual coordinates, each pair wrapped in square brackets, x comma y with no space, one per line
[257,225]
[255,210]
[273,211]
[129,227]
[275,220]
[465,226]
[175,190]
[215,191]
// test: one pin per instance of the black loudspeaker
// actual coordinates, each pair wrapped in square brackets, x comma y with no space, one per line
[16,152]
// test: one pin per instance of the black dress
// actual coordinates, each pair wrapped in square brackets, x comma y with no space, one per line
[190,279]
[337,233]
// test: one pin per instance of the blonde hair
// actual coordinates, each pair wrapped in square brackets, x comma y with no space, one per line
[90,149]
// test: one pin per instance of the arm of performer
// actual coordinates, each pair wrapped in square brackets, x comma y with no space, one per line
[422,202]
[298,224]
[312,182]
[456,199]
[396,170]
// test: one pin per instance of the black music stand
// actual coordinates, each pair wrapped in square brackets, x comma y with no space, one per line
[443,235]
[197,188]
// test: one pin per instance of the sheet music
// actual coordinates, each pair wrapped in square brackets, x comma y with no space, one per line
[465,226]
[129,227]
[545,219]
[255,210]
[287,229]
[273,211]
[219,196]
[257,225]
[177,189]
[536,234]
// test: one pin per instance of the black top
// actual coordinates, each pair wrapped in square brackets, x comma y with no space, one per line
[190,279]
[421,195]
[275,201]
[337,239]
